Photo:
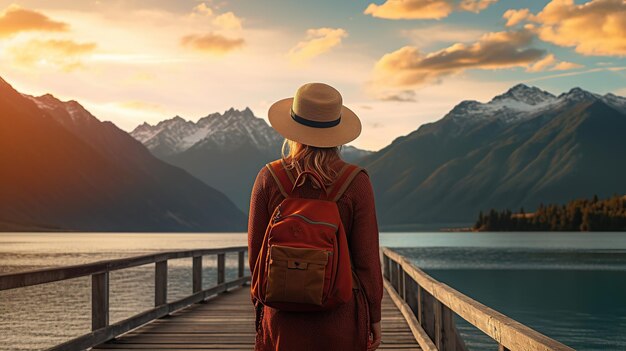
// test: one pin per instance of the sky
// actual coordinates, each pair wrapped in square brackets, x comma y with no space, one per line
[397,63]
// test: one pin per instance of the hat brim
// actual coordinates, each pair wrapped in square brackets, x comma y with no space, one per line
[348,129]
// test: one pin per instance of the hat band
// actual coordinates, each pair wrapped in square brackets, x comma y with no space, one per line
[315,124]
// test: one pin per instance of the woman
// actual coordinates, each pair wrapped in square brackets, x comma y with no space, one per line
[315,124]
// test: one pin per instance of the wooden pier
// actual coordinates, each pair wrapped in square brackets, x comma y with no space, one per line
[418,312]
[227,323]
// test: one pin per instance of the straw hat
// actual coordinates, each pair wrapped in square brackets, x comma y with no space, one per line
[315,116]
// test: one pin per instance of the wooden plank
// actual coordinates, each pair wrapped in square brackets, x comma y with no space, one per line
[101,335]
[99,300]
[227,322]
[418,333]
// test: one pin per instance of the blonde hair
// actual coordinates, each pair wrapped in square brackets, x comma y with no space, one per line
[302,157]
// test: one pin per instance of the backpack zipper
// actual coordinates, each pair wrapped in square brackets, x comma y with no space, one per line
[277,218]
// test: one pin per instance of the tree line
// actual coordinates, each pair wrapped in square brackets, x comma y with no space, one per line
[577,215]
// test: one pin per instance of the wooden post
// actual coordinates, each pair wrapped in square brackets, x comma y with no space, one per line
[420,305]
[221,259]
[410,291]
[160,283]
[392,274]
[99,300]
[428,315]
[438,324]
[197,274]
[448,329]
[502,348]
[402,291]
[398,272]
[385,267]
[241,264]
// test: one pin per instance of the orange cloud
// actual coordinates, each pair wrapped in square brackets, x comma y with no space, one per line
[202,9]
[64,54]
[212,43]
[550,63]
[475,5]
[228,20]
[15,19]
[317,42]
[515,17]
[408,67]
[566,66]
[597,27]
[424,9]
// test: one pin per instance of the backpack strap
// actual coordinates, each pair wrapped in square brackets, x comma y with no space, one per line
[344,178]
[282,176]
[285,180]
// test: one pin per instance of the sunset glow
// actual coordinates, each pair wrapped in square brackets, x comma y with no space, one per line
[399,64]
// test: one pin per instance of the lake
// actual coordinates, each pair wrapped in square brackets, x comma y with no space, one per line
[569,286]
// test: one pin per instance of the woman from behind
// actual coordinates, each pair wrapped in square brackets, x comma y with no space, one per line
[315,124]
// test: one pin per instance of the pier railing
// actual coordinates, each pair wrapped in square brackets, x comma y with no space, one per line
[429,307]
[99,272]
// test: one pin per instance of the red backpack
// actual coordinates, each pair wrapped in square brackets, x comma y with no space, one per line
[304,263]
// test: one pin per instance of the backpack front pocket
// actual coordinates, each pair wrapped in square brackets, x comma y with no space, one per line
[296,274]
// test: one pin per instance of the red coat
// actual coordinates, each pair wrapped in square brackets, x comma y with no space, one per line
[346,327]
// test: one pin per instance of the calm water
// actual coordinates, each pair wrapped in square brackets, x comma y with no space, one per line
[569,286]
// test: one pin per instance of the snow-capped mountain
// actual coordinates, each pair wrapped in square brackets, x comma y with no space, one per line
[68,170]
[74,112]
[220,131]
[523,147]
[523,102]
[225,150]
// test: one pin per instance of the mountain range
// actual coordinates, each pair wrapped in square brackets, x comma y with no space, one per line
[226,151]
[522,148]
[65,169]
[62,168]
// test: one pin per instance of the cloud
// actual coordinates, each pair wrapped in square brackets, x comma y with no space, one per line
[399,96]
[141,105]
[64,54]
[211,42]
[514,17]
[597,27]
[15,19]
[202,9]
[566,66]
[407,66]
[476,5]
[550,63]
[227,21]
[317,42]
[424,9]
[441,33]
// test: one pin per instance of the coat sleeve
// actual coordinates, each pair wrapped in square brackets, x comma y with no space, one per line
[364,244]
[258,217]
